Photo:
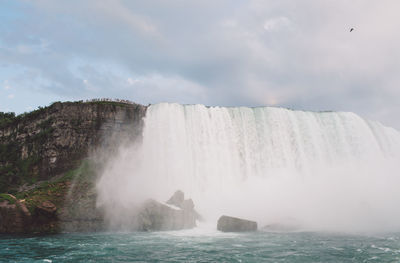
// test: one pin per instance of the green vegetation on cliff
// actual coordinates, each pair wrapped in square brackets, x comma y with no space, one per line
[7,197]
[50,204]
[6,118]
[9,118]
[16,170]
[81,178]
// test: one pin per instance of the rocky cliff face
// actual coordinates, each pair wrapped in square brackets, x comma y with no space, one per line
[42,155]
[53,140]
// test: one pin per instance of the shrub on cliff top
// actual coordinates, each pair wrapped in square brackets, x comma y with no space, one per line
[6,118]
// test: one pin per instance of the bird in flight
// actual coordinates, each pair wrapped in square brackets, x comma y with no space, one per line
[351,29]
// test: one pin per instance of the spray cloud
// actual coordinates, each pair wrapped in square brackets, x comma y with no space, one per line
[325,171]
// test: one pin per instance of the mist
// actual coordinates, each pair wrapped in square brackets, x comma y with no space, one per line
[328,171]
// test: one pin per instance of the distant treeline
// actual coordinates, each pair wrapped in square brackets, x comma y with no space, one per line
[9,117]
[6,118]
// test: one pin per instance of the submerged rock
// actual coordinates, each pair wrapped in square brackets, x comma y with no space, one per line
[280,228]
[285,225]
[176,214]
[234,224]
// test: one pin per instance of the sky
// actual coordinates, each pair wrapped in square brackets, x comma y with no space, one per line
[288,53]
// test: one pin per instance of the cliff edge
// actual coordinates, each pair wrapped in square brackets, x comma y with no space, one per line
[46,177]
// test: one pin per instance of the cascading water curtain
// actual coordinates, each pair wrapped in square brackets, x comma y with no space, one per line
[267,163]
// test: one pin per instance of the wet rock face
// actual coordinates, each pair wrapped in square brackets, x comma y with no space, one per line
[176,214]
[234,224]
[14,216]
[47,208]
[10,218]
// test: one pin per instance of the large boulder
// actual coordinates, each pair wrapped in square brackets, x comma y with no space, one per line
[234,224]
[176,214]
[177,199]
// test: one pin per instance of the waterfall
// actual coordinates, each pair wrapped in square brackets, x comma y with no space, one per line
[322,168]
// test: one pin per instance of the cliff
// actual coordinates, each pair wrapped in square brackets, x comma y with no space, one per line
[45,173]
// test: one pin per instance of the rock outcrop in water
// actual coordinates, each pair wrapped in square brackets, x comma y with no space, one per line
[177,199]
[234,224]
[176,214]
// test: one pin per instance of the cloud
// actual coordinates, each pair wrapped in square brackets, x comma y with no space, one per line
[277,23]
[11,96]
[283,53]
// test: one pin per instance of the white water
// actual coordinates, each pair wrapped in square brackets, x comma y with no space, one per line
[325,171]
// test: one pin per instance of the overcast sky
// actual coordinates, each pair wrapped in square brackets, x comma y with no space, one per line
[291,53]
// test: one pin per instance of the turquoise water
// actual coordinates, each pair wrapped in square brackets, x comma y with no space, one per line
[194,246]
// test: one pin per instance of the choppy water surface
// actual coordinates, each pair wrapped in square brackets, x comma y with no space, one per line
[192,246]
